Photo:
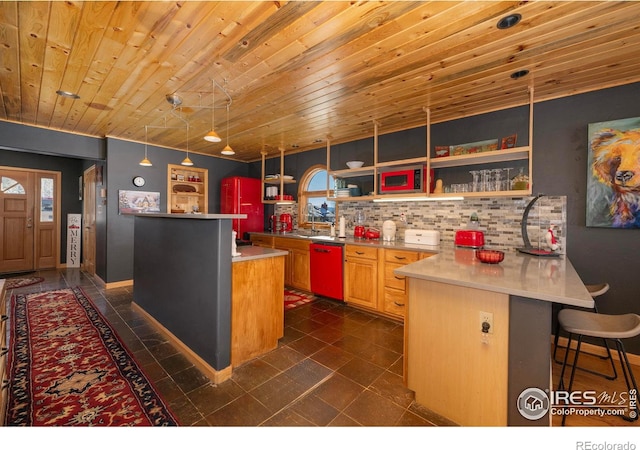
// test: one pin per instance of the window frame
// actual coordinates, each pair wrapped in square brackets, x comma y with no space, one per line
[304,195]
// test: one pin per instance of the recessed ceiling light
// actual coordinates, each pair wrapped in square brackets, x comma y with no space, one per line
[508,21]
[295,146]
[519,74]
[68,94]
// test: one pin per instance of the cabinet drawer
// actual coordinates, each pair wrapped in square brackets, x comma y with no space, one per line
[394,301]
[401,256]
[360,251]
[300,244]
[393,280]
[263,241]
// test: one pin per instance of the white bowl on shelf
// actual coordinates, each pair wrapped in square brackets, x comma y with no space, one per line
[355,164]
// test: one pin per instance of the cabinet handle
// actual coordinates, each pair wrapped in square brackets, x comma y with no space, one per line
[359,253]
[398,278]
[398,304]
[4,351]
[5,384]
[400,257]
[3,318]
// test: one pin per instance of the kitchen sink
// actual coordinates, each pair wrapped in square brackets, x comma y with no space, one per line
[322,238]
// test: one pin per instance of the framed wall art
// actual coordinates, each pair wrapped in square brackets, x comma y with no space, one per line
[134,202]
[613,174]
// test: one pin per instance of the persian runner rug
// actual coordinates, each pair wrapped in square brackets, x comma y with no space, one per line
[15,283]
[295,298]
[68,367]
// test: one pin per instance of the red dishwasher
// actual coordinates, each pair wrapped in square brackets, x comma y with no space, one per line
[326,270]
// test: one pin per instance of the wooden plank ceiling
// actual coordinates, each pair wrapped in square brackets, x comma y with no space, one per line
[297,73]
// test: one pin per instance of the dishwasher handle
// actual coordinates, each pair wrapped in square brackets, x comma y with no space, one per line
[321,250]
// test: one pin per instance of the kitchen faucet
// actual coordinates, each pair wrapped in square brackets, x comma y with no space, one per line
[313,216]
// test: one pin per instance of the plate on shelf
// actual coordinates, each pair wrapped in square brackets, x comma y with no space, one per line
[287,177]
[271,177]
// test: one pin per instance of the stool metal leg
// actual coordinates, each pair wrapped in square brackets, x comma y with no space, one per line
[573,369]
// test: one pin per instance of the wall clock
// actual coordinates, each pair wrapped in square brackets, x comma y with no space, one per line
[138,181]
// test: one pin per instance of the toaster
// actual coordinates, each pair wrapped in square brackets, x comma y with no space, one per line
[469,238]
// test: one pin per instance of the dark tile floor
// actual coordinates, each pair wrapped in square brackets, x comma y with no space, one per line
[335,366]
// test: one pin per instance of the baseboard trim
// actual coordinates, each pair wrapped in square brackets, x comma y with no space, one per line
[597,350]
[216,376]
[116,284]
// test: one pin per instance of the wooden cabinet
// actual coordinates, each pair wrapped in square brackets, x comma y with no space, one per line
[4,376]
[297,271]
[257,307]
[392,287]
[361,276]
[262,241]
[187,189]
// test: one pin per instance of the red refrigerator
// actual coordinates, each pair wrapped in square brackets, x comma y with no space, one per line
[242,195]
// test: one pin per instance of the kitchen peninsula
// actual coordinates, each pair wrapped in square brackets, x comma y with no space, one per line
[472,377]
[221,310]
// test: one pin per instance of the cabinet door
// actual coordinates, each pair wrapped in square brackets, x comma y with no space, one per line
[300,269]
[361,276]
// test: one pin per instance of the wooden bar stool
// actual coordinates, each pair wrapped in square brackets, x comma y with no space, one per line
[605,326]
[595,290]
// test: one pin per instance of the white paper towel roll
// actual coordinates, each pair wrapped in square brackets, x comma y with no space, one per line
[342,231]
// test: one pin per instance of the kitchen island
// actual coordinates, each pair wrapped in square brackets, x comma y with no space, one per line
[477,378]
[219,309]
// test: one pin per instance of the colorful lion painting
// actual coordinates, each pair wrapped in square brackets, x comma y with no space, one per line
[613,178]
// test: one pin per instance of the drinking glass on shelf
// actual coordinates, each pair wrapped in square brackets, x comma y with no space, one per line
[497,179]
[485,180]
[507,181]
[475,183]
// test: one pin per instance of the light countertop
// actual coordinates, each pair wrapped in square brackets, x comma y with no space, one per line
[542,278]
[250,252]
[193,216]
[397,244]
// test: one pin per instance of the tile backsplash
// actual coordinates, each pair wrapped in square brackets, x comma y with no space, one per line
[500,218]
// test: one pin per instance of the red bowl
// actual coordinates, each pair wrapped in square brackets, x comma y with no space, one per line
[490,256]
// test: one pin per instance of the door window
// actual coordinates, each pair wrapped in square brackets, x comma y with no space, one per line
[46,199]
[11,186]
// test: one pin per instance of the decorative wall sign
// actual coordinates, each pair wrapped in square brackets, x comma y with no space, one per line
[613,174]
[134,202]
[74,236]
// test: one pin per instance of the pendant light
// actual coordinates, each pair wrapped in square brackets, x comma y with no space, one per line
[212,136]
[145,161]
[227,150]
[187,161]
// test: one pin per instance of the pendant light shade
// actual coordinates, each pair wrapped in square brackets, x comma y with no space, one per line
[145,161]
[187,161]
[212,136]
[227,150]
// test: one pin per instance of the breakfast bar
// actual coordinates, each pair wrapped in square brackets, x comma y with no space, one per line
[478,335]
[219,306]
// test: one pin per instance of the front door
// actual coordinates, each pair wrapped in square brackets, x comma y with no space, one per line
[89,221]
[17,194]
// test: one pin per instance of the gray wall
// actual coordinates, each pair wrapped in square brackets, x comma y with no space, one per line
[122,166]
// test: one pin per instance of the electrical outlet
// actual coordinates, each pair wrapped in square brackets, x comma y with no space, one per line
[486,322]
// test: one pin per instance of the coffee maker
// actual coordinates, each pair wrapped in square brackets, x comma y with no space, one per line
[286,222]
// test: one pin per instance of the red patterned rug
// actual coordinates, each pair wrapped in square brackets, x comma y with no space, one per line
[295,298]
[67,366]
[15,283]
